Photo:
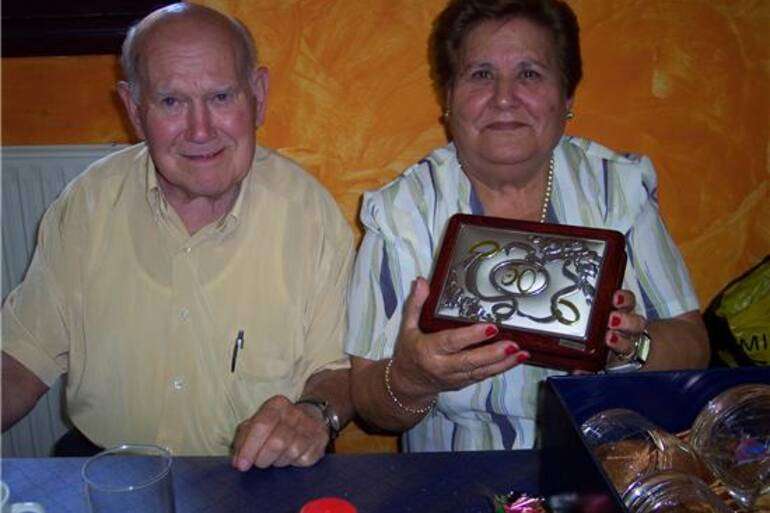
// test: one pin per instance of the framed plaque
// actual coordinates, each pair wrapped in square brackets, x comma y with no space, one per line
[547,287]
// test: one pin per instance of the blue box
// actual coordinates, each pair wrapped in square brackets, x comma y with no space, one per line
[670,399]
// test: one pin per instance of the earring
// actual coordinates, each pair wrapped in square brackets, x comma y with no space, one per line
[447,113]
[569,115]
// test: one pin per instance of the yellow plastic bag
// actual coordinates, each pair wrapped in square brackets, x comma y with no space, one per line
[745,307]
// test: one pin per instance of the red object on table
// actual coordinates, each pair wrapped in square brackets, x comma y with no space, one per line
[328,505]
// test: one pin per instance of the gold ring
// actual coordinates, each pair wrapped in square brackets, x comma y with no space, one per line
[534,280]
[486,254]
[560,316]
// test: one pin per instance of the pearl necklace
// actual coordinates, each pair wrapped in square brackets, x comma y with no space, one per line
[548,190]
[546,194]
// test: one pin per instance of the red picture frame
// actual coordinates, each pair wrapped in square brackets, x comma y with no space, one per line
[590,261]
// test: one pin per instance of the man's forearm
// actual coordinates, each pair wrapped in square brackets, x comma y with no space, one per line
[21,390]
[332,386]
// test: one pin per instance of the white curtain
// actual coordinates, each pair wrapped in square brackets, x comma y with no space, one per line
[32,177]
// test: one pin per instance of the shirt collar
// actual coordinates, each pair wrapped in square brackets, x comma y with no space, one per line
[246,193]
[229,221]
[153,192]
[468,200]
[474,205]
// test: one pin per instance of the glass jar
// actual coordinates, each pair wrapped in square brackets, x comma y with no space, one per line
[630,447]
[732,436]
[672,492]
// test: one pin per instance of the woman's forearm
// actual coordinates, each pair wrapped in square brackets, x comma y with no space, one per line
[375,404]
[678,343]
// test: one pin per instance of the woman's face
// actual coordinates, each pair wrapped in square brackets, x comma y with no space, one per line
[508,106]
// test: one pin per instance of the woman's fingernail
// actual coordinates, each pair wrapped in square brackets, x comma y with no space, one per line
[614,321]
[511,349]
[620,299]
[491,330]
[613,339]
[523,357]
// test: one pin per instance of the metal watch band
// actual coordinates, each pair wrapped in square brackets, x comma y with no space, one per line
[642,348]
[330,416]
[638,356]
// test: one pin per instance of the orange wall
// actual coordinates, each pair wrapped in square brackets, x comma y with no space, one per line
[685,82]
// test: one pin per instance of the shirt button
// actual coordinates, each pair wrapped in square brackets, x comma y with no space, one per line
[177,383]
[187,249]
[184,314]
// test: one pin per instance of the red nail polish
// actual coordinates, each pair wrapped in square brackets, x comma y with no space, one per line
[523,357]
[490,331]
[511,350]
[615,321]
[620,300]
[613,339]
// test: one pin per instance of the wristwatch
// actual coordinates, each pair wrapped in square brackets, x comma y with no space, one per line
[330,416]
[638,356]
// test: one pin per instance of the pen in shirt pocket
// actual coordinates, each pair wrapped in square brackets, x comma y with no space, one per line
[237,346]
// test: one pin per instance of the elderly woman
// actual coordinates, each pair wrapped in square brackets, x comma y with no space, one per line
[508,70]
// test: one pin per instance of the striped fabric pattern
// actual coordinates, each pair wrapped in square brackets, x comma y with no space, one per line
[405,221]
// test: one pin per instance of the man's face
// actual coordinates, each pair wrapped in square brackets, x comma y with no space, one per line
[197,110]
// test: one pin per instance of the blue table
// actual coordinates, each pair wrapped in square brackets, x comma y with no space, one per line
[382,483]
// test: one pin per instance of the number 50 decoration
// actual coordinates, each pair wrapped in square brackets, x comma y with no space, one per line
[548,287]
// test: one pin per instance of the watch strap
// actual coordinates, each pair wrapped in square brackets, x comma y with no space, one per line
[638,356]
[642,347]
[330,417]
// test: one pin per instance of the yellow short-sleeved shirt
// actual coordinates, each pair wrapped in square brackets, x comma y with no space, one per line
[142,317]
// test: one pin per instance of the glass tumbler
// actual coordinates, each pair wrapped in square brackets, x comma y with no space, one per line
[732,436]
[672,492]
[631,447]
[129,479]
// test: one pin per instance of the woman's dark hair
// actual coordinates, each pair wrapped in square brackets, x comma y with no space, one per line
[459,17]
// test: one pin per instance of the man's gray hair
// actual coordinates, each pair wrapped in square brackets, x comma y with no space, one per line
[131,55]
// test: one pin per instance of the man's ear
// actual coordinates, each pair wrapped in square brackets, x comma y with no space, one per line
[259,83]
[132,108]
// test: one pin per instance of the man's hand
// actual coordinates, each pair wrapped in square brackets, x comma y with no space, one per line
[281,433]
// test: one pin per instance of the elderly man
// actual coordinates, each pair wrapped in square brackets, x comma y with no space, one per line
[191,286]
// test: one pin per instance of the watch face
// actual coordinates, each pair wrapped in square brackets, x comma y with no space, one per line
[330,416]
[547,287]
[643,348]
[334,420]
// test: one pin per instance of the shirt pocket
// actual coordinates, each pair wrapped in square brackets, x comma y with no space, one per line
[258,376]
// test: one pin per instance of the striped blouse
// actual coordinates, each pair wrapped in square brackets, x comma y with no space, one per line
[405,221]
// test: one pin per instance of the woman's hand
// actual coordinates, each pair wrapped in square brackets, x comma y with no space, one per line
[678,342]
[425,364]
[624,326]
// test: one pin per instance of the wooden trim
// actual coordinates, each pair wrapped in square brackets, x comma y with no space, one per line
[50,28]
